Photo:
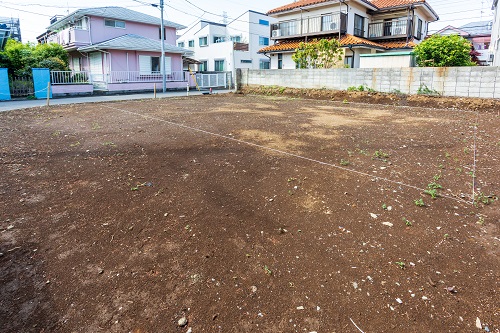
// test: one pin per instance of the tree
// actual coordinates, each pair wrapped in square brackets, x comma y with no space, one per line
[444,51]
[318,54]
[20,58]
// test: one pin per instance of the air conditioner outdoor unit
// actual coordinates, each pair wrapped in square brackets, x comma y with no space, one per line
[333,25]
[276,33]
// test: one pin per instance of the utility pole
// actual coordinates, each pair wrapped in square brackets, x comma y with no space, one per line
[162,37]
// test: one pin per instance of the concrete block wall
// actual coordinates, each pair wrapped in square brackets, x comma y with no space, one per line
[448,81]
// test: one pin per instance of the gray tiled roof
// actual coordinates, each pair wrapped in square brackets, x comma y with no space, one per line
[134,43]
[478,28]
[117,13]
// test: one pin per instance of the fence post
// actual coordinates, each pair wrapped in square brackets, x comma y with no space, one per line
[4,85]
[41,78]
[48,95]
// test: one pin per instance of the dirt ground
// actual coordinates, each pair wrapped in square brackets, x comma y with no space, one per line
[248,213]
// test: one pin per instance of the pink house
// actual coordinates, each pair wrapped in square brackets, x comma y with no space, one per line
[119,48]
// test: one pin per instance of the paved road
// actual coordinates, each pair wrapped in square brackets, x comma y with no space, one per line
[22,104]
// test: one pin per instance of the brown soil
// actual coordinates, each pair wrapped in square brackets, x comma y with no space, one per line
[430,101]
[247,213]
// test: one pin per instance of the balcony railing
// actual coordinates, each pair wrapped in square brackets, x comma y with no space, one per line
[136,76]
[69,77]
[70,36]
[310,26]
[389,29]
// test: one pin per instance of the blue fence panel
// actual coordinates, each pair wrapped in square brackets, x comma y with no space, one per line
[41,81]
[4,85]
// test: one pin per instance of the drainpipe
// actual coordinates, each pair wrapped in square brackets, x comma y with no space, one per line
[353,54]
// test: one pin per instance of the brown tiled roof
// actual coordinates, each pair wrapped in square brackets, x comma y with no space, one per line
[345,41]
[296,4]
[381,4]
[394,3]
[399,44]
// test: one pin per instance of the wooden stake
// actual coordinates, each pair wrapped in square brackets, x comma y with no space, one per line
[48,93]
[155,90]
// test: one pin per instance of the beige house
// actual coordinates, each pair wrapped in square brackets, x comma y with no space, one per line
[368,30]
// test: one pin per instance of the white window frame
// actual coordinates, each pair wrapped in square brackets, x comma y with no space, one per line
[114,24]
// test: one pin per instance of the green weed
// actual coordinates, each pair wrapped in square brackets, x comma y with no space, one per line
[419,202]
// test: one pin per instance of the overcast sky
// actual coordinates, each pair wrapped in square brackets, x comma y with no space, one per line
[35,15]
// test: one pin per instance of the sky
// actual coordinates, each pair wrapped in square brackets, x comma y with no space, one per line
[34,15]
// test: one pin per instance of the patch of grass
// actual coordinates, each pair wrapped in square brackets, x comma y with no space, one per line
[345,101]
[384,206]
[437,177]
[447,155]
[109,143]
[401,264]
[432,192]
[56,133]
[466,150]
[381,155]
[424,90]
[75,144]
[267,270]
[407,222]
[434,186]
[344,162]
[95,126]
[484,199]
[419,202]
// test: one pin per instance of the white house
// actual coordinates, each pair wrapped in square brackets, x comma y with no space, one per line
[478,34]
[225,47]
[373,33]
[495,36]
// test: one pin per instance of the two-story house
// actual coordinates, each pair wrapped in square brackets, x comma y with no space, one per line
[121,48]
[224,47]
[370,31]
[478,34]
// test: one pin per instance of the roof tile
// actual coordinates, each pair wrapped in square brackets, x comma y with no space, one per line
[346,40]
[381,4]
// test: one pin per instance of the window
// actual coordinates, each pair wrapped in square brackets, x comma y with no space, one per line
[191,43]
[180,44]
[203,41]
[348,60]
[245,61]
[152,65]
[280,60]
[203,67]
[419,29]
[114,24]
[263,22]
[264,64]
[76,64]
[263,40]
[236,39]
[359,25]
[219,39]
[219,65]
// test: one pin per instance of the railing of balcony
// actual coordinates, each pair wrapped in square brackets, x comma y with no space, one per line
[314,25]
[136,76]
[388,29]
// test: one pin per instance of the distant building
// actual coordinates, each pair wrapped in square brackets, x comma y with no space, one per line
[224,47]
[372,33]
[478,33]
[121,48]
[495,36]
[9,28]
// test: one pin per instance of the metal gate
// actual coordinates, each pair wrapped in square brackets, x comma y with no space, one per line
[213,80]
[21,86]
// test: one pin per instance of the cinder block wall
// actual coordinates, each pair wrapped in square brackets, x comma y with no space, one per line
[448,81]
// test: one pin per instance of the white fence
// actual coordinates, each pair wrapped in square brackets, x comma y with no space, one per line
[212,80]
[69,77]
[447,81]
[136,76]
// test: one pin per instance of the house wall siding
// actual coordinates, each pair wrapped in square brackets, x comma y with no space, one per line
[100,33]
[481,82]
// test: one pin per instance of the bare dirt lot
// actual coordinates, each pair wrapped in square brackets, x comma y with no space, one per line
[245,213]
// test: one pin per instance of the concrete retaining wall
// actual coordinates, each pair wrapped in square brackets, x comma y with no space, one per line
[72,89]
[448,81]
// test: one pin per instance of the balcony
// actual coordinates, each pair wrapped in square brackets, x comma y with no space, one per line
[310,26]
[389,29]
[71,37]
